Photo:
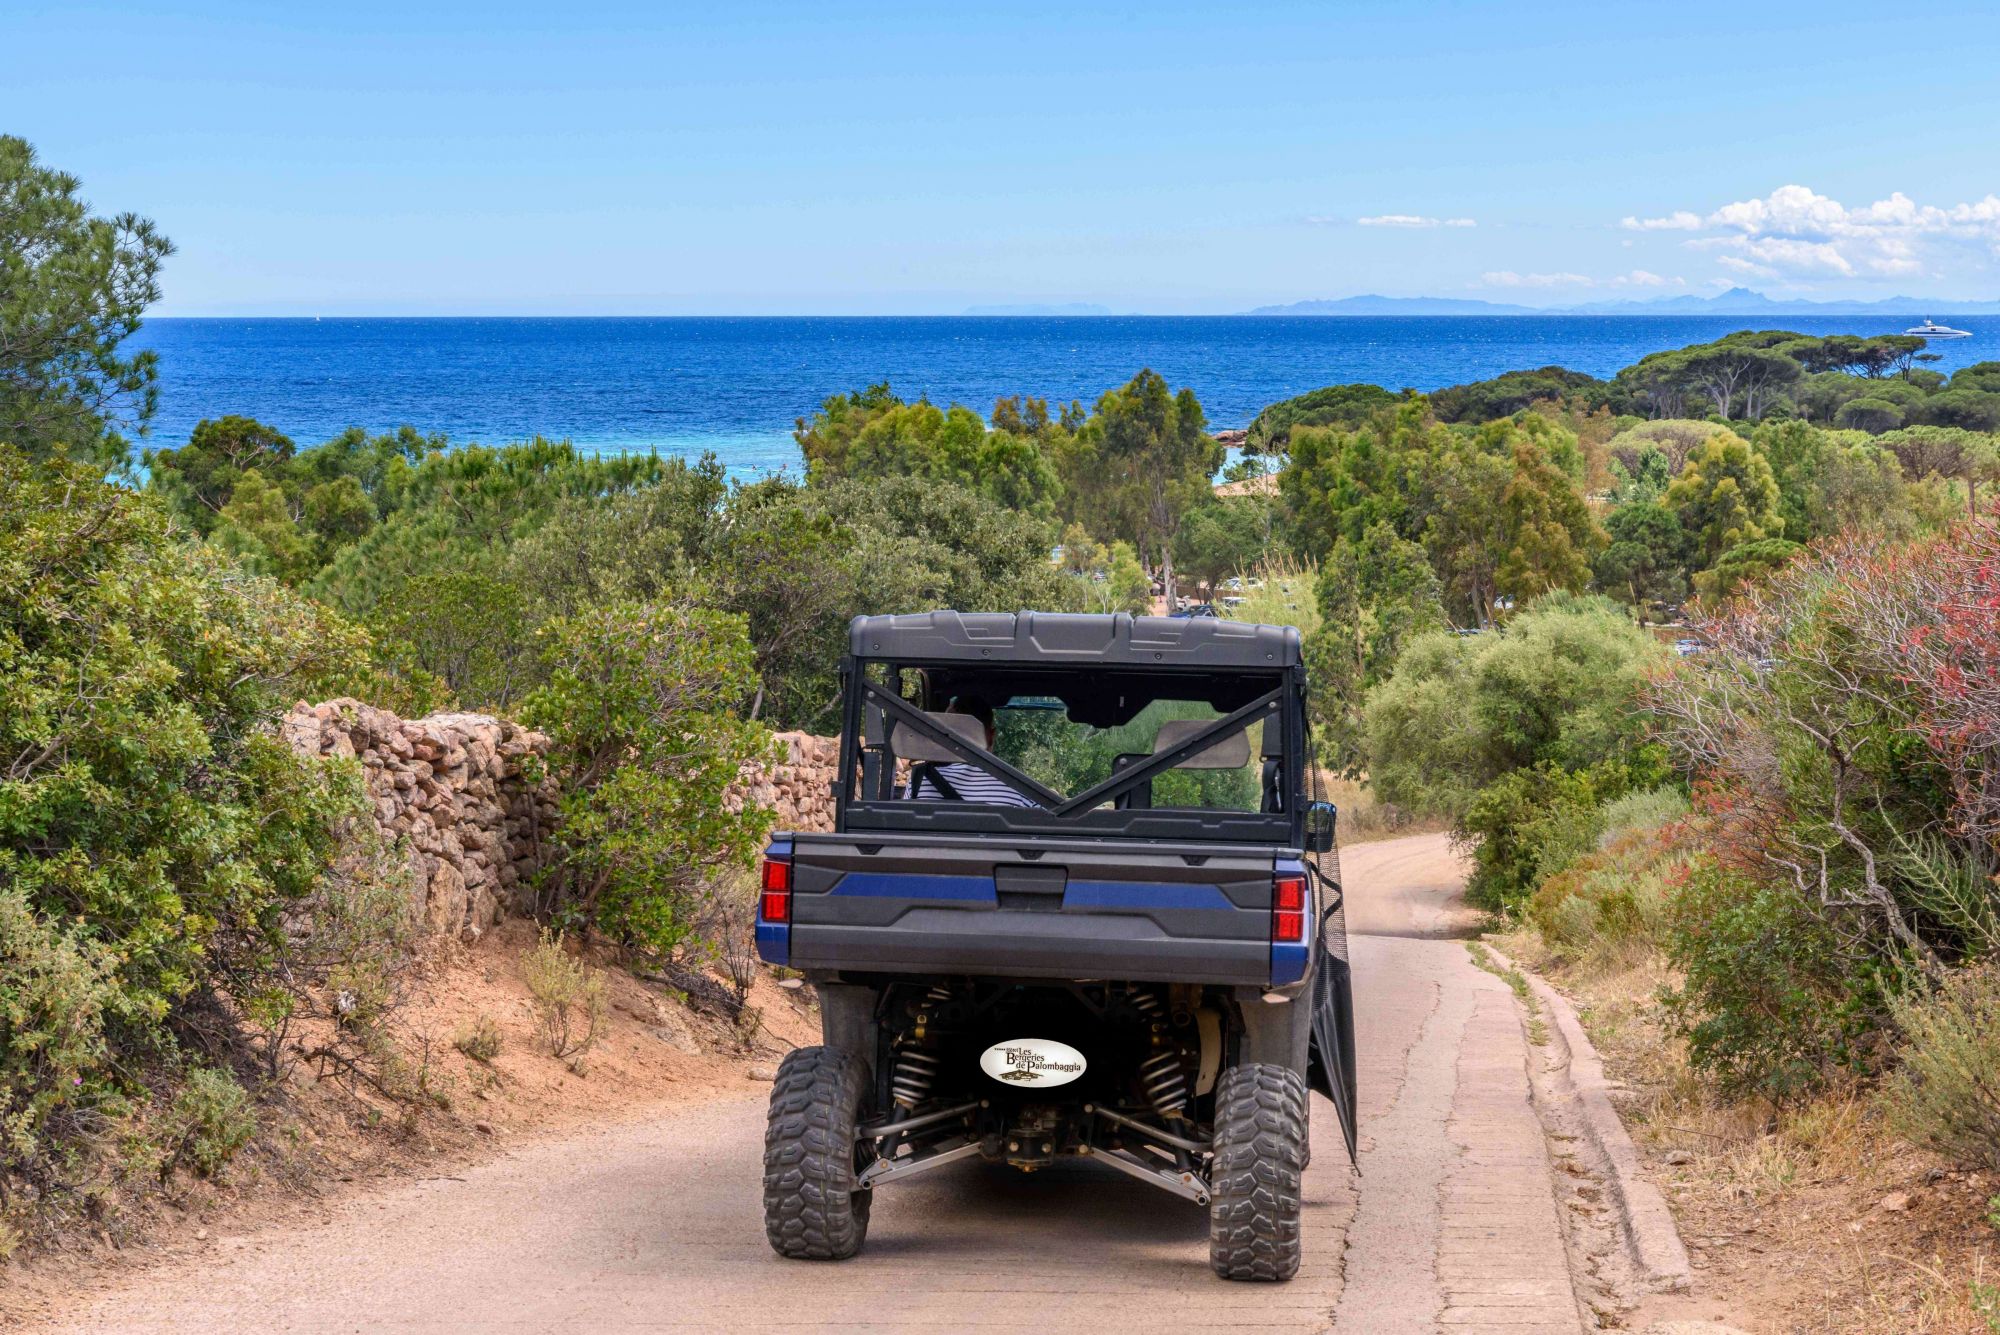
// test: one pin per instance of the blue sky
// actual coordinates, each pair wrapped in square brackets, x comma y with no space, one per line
[744,157]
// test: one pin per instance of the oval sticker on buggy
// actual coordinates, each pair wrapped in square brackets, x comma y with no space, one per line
[1032,1063]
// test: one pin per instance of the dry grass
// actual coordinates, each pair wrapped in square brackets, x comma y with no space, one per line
[571,997]
[1283,596]
[1808,1218]
[1363,816]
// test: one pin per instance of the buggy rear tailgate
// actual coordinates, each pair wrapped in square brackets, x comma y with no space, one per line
[1035,908]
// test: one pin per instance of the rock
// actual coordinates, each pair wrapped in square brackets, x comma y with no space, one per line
[1895,1202]
[1677,1157]
[766,1073]
[675,1035]
[444,907]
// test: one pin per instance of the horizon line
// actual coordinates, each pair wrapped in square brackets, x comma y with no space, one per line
[1919,306]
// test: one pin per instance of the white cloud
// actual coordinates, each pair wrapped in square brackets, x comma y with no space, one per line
[1737,264]
[1508,278]
[1789,255]
[1643,278]
[1413,220]
[1678,221]
[1797,233]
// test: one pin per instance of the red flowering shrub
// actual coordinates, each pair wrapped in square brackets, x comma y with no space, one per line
[1844,738]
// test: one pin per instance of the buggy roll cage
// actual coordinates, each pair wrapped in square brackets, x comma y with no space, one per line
[859,806]
[1054,803]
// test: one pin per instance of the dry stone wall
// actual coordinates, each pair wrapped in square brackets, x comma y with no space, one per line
[450,790]
[799,787]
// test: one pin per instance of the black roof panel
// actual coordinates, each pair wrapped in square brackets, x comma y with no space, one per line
[1070,637]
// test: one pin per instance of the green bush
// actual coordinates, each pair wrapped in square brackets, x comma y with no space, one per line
[55,986]
[1650,809]
[1945,1092]
[1528,824]
[1617,895]
[1771,1001]
[1557,685]
[209,1121]
[1518,736]
[154,832]
[642,703]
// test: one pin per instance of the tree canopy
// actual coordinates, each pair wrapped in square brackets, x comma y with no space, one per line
[1726,494]
[1143,460]
[73,287]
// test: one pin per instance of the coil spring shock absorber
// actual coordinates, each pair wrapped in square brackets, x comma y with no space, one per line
[1165,1083]
[1160,1075]
[916,1070]
[910,1084]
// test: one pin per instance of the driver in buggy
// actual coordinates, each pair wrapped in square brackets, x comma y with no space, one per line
[936,780]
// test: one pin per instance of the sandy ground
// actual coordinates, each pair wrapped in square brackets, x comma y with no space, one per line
[650,1219]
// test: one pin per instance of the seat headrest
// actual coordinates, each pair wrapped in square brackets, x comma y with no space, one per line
[1231,752]
[909,744]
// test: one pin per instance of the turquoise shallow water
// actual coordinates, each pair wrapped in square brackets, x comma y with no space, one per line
[735,385]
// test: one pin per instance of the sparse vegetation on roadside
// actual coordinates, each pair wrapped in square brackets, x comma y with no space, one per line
[1517,982]
[479,1039]
[569,996]
[209,1121]
[1945,1091]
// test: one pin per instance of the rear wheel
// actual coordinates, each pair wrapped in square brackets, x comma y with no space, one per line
[812,1211]
[1260,1146]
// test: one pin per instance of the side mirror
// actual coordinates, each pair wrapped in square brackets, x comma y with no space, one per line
[1320,820]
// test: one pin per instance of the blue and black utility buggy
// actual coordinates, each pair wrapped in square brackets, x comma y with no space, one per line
[1079,899]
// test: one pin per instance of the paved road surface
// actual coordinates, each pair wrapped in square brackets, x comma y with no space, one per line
[1452,1227]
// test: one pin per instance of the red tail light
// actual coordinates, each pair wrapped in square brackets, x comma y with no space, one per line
[1288,908]
[776,902]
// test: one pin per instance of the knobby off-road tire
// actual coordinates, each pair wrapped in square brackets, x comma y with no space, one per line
[1260,1138]
[812,1211]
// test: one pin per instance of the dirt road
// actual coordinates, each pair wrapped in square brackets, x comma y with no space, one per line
[654,1225]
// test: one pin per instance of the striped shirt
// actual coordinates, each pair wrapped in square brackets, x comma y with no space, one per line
[972,784]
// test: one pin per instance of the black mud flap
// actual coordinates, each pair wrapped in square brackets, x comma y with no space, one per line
[1330,1062]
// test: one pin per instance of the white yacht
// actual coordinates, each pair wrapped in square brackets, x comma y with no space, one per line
[1932,329]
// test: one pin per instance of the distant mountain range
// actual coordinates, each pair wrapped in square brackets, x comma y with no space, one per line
[1736,301]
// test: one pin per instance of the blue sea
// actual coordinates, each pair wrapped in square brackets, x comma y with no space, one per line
[736,385]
